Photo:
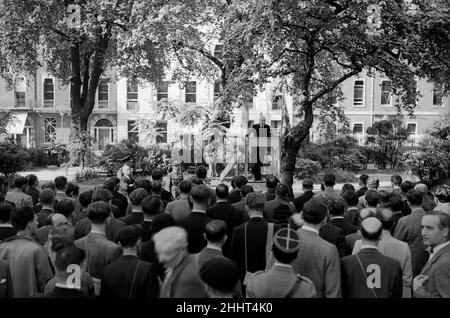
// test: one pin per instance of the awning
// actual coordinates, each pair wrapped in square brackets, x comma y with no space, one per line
[16,123]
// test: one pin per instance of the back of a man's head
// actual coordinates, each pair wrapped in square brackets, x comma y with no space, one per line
[60,183]
[386,217]
[48,185]
[47,196]
[329,180]
[200,194]
[69,256]
[282,190]
[365,213]
[128,236]
[170,239]
[406,186]
[185,186]
[21,217]
[72,189]
[65,207]
[110,184]
[156,187]
[5,213]
[396,180]
[414,197]
[136,196]
[350,197]
[395,203]
[59,242]
[32,179]
[222,191]
[201,172]
[102,194]
[363,179]
[372,198]
[152,205]
[98,212]
[336,207]
[215,231]
[272,182]
[161,221]
[422,188]
[85,198]
[371,229]
[314,211]
[240,181]
[157,175]
[255,201]
[20,181]
[384,196]
[246,189]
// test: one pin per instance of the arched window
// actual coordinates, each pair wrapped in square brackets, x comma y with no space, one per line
[103,133]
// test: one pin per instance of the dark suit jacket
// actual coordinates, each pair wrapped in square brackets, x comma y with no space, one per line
[134,218]
[34,194]
[270,194]
[350,241]
[194,224]
[7,231]
[232,217]
[146,232]
[351,215]
[166,195]
[59,292]
[406,210]
[361,191]
[148,254]
[206,254]
[334,235]
[129,277]
[121,202]
[438,271]
[83,228]
[354,280]
[302,199]
[42,217]
[270,206]
[256,245]
[344,225]
[234,196]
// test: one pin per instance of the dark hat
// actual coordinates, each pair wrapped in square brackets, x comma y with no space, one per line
[281,214]
[126,158]
[308,183]
[220,273]
[287,240]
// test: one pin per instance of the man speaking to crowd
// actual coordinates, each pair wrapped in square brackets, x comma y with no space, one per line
[262,133]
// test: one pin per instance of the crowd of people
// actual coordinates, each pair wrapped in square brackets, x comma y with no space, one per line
[120,242]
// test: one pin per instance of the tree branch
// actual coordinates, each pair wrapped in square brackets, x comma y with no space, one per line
[206,54]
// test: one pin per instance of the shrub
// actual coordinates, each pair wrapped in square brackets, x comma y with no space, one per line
[82,151]
[37,157]
[342,176]
[305,168]
[85,175]
[13,157]
[111,159]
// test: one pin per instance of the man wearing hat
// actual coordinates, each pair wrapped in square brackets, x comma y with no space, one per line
[307,187]
[221,277]
[281,281]
[125,174]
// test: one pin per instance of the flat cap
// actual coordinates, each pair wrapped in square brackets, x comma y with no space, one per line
[220,273]
[287,240]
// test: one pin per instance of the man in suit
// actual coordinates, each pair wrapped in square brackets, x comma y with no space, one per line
[362,185]
[235,194]
[47,199]
[307,187]
[182,279]
[157,176]
[391,247]
[223,210]
[85,198]
[336,209]
[434,279]
[151,207]
[240,206]
[118,199]
[17,195]
[136,216]
[271,185]
[195,223]
[282,192]
[329,181]
[129,277]
[99,250]
[352,211]
[351,239]
[201,173]
[409,230]
[221,277]
[181,207]
[28,262]
[368,273]
[281,281]
[317,259]
[335,236]
[395,203]
[215,235]
[370,199]
[32,190]
[61,187]
[6,228]
[252,241]
[406,186]
[262,133]
[396,182]
[113,225]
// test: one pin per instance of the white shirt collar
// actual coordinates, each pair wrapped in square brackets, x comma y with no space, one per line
[438,248]
[64,286]
[256,216]
[6,225]
[337,217]
[369,246]
[283,265]
[310,229]
[213,247]
[199,211]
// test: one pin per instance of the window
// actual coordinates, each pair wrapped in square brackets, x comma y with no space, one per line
[216,90]
[50,129]
[218,51]
[191,92]
[162,131]
[132,94]
[103,133]
[276,102]
[133,131]
[358,93]
[103,94]
[332,98]
[162,90]
[411,127]
[358,128]
[49,93]
[411,94]
[19,91]
[437,96]
[386,93]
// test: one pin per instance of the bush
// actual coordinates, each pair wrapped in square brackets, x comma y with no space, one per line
[111,159]
[86,175]
[305,168]
[13,157]
[342,176]
[81,149]
[37,157]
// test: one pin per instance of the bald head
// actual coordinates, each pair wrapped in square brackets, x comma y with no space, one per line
[371,229]
[386,216]
[170,239]
[422,188]
[58,219]
[365,213]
